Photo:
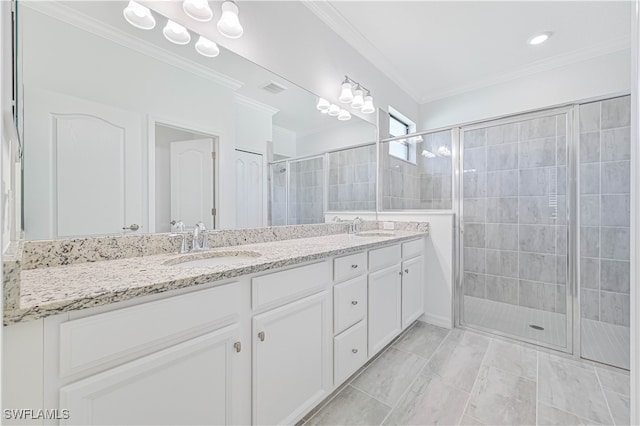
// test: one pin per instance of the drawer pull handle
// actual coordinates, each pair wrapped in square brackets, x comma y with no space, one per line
[355,351]
[354,302]
[406,271]
[261,336]
[354,266]
[238,346]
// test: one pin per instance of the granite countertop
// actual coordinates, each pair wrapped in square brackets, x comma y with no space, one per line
[53,290]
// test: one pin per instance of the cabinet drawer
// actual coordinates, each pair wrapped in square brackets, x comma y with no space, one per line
[349,303]
[285,286]
[349,266]
[349,352]
[412,248]
[137,330]
[384,257]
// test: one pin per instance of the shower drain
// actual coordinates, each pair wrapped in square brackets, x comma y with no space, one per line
[536,327]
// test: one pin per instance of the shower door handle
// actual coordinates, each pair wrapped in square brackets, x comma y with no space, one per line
[461,226]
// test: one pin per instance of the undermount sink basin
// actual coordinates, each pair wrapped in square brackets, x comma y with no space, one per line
[375,234]
[203,260]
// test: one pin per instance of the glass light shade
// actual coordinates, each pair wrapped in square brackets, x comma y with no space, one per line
[344,115]
[323,105]
[139,16]
[206,47]
[428,154]
[334,110]
[176,33]
[358,99]
[368,108]
[229,24]
[444,151]
[419,138]
[346,95]
[198,10]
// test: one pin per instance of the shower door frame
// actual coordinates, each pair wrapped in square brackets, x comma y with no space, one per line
[571,294]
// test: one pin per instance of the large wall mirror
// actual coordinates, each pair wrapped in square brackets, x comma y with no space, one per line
[124,132]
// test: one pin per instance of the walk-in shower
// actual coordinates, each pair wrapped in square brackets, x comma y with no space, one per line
[544,229]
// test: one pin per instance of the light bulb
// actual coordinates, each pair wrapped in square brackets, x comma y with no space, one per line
[323,104]
[368,107]
[229,24]
[346,95]
[139,16]
[206,47]
[344,115]
[334,110]
[198,10]
[358,99]
[176,33]
[539,38]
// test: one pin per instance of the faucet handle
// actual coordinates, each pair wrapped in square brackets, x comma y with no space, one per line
[179,225]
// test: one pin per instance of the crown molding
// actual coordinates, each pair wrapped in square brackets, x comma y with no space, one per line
[537,67]
[252,103]
[341,26]
[284,130]
[89,24]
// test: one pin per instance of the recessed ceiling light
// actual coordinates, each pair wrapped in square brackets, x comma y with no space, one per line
[539,38]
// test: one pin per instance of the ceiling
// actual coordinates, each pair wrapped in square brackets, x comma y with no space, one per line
[434,49]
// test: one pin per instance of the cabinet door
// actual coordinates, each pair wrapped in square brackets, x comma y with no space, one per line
[190,383]
[412,290]
[384,307]
[292,355]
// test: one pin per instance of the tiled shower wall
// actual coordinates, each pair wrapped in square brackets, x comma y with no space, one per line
[352,179]
[423,185]
[306,196]
[605,210]
[514,211]
[278,199]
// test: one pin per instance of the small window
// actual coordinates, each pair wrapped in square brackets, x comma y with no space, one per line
[401,148]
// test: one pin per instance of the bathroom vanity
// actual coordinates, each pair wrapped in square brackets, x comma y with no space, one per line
[259,335]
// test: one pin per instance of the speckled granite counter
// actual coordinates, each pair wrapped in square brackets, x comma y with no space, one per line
[53,290]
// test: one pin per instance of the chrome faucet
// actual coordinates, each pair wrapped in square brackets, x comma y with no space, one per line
[355,225]
[179,226]
[200,228]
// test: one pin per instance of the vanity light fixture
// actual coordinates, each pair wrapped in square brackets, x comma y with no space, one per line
[444,151]
[207,48]
[176,33]
[539,38]
[323,105]
[229,24]
[344,115]
[198,10]
[334,110]
[346,95]
[139,16]
[428,154]
[356,96]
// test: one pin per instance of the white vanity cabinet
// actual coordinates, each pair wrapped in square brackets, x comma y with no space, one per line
[412,282]
[292,342]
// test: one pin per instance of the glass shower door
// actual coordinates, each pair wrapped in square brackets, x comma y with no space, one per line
[513,260]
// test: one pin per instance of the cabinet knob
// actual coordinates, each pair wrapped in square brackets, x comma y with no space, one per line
[355,351]
[354,302]
[238,346]
[406,271]
[354,266]
[261,336]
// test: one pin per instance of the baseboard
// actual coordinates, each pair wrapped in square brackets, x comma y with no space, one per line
[438,320]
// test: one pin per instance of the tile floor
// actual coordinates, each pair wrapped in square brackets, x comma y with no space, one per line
[430,375]
[602,342]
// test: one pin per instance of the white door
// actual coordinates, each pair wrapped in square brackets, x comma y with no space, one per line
[192,183]
[384,319]
[249,190]
[412,290]
[190,383]
[292,360]
[84,173]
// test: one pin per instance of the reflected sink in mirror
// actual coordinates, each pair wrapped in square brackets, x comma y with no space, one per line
[375,234]
[207,259]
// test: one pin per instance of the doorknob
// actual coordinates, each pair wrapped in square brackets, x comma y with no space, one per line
[132,227]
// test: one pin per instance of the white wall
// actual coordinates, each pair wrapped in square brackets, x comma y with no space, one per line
[253,127]
[83,65]
[600,76]
[284,141]
[341,135]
